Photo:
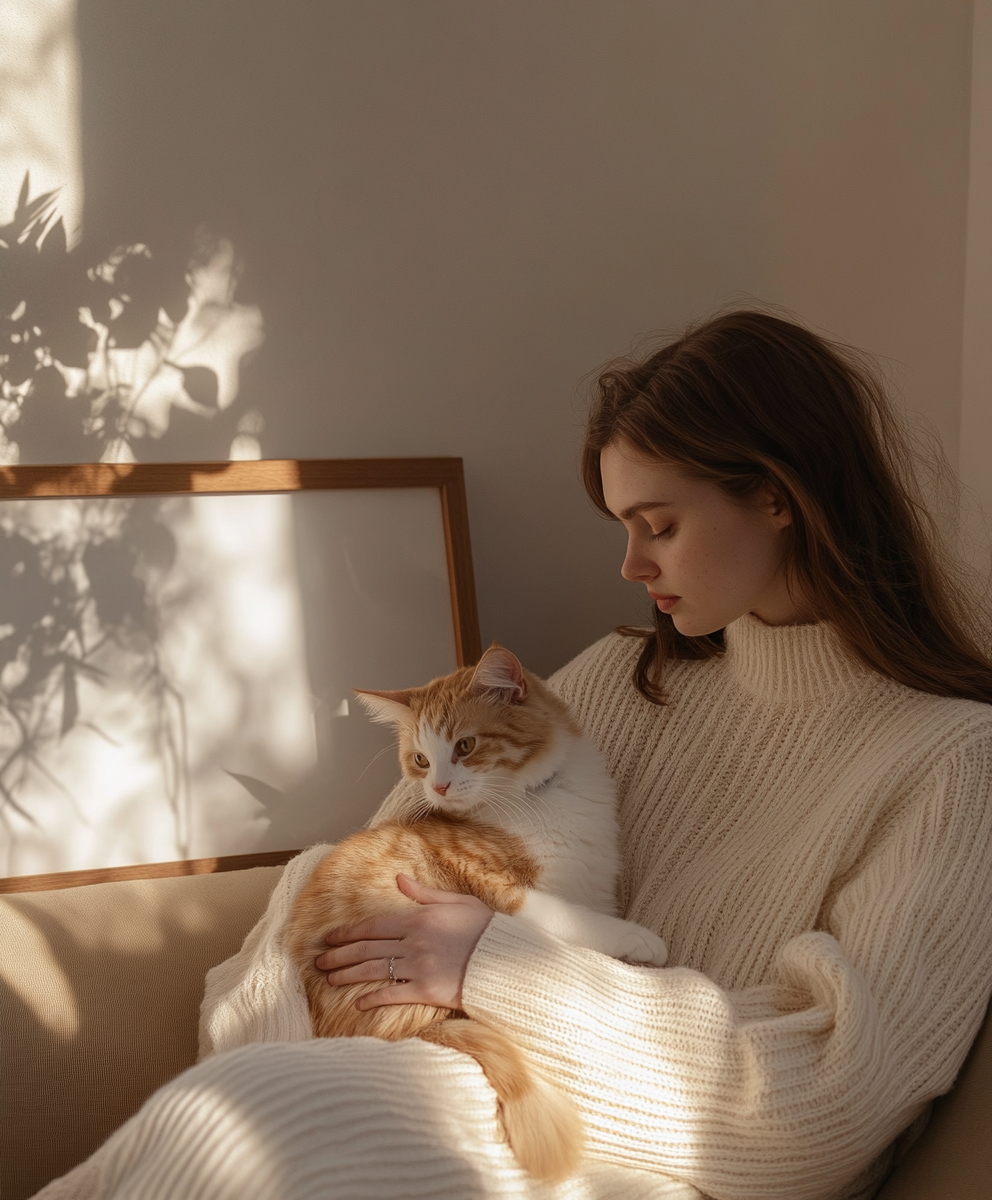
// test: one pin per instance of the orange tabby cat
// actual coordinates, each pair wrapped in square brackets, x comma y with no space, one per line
[518,810]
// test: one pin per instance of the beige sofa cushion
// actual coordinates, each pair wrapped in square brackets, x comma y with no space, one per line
[100,990]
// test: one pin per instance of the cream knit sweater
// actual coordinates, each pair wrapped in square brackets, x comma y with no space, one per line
[813,841]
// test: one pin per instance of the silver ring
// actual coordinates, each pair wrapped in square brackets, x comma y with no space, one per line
[392,970]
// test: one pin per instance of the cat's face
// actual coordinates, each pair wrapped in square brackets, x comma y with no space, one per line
[465,752]
[479,737]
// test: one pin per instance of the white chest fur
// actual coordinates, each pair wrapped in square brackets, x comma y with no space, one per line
[569,825]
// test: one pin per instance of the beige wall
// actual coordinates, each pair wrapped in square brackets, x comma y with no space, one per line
[975,459]
[453,210]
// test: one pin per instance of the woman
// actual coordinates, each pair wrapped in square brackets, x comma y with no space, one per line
[803,752]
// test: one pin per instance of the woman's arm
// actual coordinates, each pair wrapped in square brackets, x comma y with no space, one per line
[789,1090]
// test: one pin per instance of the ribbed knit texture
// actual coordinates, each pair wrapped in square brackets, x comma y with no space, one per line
[813,841]
[257,995]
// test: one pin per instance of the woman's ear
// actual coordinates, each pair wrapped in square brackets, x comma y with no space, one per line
[771,500]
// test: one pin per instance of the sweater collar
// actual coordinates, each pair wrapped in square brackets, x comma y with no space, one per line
[786,664]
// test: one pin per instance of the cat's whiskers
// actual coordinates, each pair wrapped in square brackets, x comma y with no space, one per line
[506,800]
[530,799]
[503,805]
[504,789]
[378,754]
[423,808]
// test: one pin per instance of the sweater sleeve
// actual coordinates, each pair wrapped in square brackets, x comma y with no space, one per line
[794,1088]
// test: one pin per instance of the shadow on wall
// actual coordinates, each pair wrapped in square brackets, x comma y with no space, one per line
[123,359]
[130,357]
[151,653]
[76,607]
[119,360]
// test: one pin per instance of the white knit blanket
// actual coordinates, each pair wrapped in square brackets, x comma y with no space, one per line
[271,1113]
[256,996]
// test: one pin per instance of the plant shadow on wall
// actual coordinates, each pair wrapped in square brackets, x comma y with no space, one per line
[107,361]
[116,360]
[152,658]
[76,611]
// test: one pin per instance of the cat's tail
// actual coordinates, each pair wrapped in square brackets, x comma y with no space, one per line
[543,1126]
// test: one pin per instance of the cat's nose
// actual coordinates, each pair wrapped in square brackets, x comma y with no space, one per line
[441,788]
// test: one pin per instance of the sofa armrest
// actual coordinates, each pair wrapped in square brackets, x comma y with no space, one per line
[952,1160]
[100,991]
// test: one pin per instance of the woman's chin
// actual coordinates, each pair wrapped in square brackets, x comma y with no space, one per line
[698,625]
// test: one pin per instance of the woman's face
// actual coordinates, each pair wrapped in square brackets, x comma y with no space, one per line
[704,557]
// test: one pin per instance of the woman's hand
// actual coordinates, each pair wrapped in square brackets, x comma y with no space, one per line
[430,946]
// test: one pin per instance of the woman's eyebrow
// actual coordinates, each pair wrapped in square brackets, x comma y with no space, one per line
[642,506]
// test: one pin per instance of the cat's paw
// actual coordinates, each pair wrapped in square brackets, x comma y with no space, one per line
[641,946]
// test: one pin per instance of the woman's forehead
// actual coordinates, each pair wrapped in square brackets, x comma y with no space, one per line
[633,482]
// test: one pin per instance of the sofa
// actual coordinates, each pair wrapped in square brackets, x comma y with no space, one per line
[101,988]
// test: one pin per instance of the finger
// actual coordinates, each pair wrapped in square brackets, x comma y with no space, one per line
[388,926]
[350,953]
[424,894]
[376,971]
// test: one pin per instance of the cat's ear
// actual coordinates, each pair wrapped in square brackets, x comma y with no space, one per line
[500,672]
[388,708]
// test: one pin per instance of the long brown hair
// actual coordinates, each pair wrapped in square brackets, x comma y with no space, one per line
[750,401]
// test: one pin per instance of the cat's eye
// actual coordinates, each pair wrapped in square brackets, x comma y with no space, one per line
[421,760]
[464,746]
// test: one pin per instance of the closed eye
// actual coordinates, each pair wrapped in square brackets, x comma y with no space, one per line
[663,533]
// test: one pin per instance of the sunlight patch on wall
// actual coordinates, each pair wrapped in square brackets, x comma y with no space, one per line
[154,652]
[39,105]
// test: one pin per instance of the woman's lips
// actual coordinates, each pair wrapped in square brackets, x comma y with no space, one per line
[665,603]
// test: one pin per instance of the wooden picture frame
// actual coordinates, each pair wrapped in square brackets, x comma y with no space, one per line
[253,478]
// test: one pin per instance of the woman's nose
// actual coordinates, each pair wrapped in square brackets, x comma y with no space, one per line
[637,567]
